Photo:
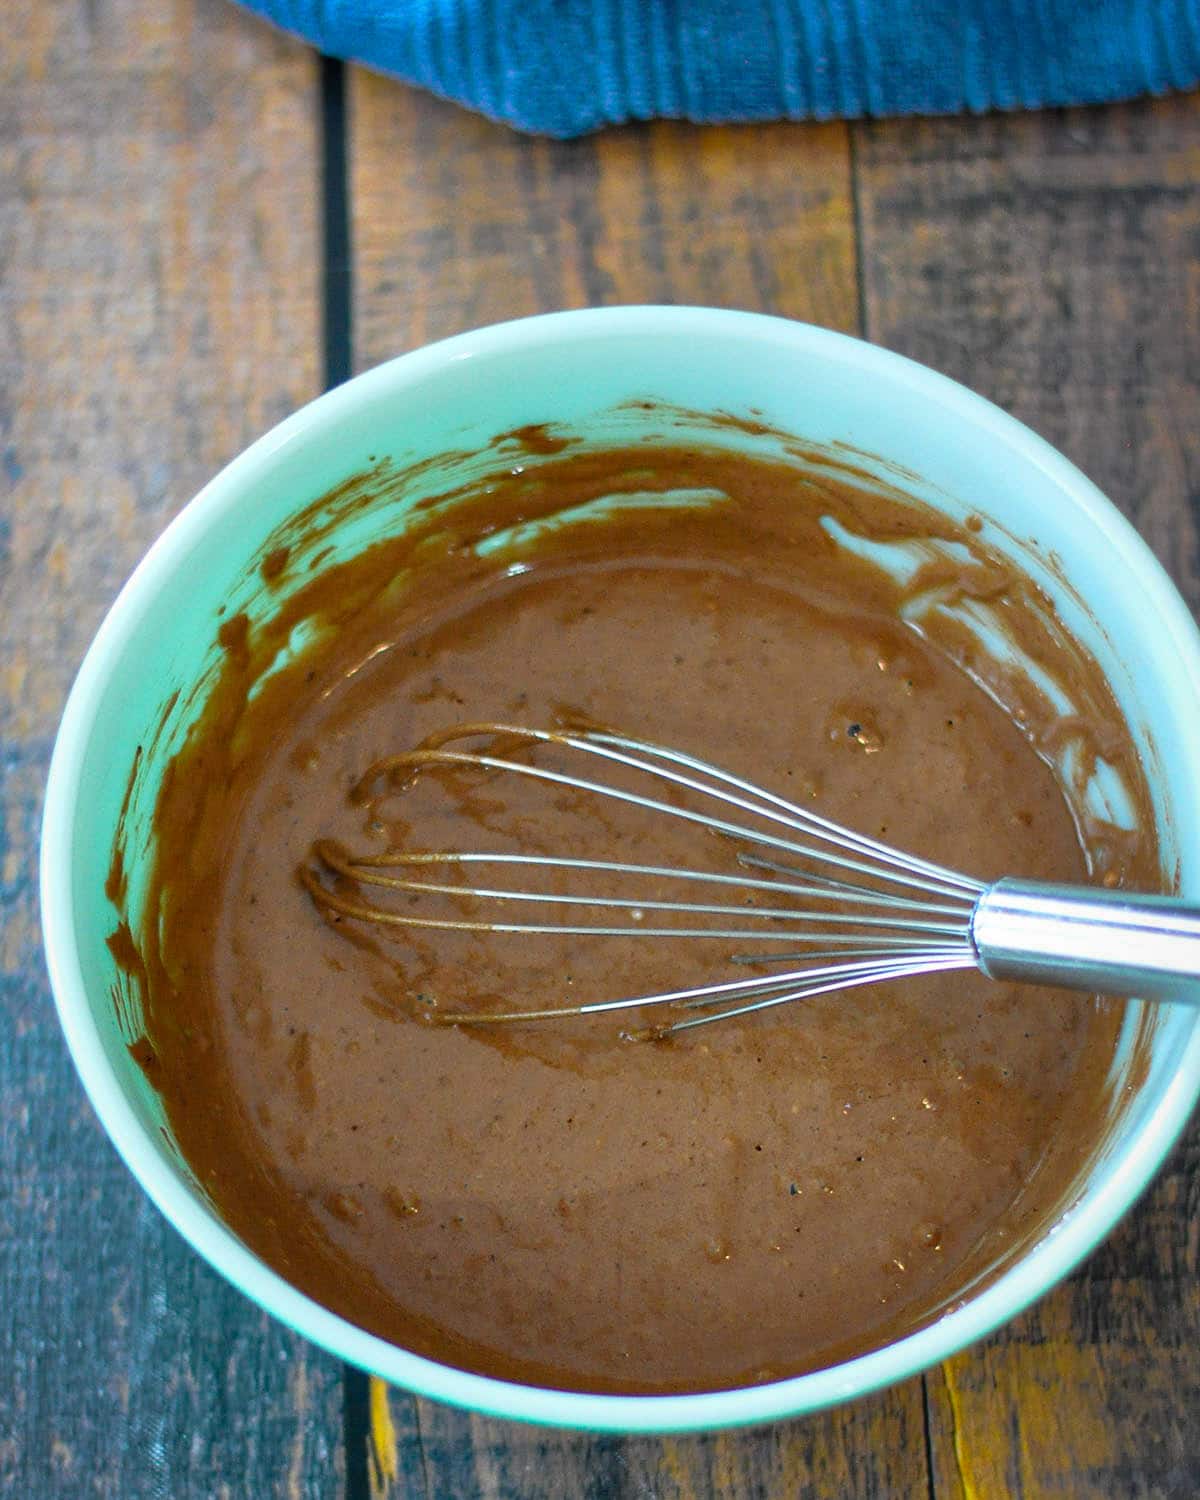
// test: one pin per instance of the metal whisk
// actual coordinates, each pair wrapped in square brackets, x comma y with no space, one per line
[847,910]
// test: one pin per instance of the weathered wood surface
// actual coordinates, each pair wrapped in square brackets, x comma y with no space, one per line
[875,1447]
[158,308]
[1050,262]
[459,222]
[159,249]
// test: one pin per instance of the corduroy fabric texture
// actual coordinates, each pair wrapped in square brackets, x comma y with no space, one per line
[564,67]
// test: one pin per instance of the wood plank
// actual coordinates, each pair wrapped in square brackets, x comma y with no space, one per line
[872,1448]
[159,308]
[1049,261]
[459,222]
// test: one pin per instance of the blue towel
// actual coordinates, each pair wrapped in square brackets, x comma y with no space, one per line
[564,67]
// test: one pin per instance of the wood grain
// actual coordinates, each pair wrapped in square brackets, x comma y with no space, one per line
[874,1448]
[459,222]
[158,172]
[158,309]
[1050,262]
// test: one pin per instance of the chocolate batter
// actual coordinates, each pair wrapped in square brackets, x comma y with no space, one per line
[551,1203]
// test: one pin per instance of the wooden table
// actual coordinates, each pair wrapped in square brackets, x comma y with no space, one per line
[201,225]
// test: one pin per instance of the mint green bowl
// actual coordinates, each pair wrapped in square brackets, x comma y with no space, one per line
[581,369]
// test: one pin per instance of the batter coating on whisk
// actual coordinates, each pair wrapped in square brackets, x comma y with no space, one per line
[746,1201]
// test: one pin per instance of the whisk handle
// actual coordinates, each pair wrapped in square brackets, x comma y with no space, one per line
[1112,942]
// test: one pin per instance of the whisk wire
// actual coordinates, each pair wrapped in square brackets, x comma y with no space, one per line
[867,974]
[366,872]
[796,984]
[811,822]
[360,867]
[892,866]
[910,917]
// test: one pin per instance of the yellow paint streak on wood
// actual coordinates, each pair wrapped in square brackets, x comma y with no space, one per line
[1038,1413]
[383,1433]
[961,1455]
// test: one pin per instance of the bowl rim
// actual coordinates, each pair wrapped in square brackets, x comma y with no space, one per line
[1052,1258]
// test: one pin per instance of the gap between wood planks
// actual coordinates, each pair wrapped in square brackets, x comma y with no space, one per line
[337,363]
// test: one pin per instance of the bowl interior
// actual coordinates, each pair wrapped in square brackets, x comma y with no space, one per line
[145,677]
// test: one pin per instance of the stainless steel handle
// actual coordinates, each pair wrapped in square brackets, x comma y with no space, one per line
[1113,942]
